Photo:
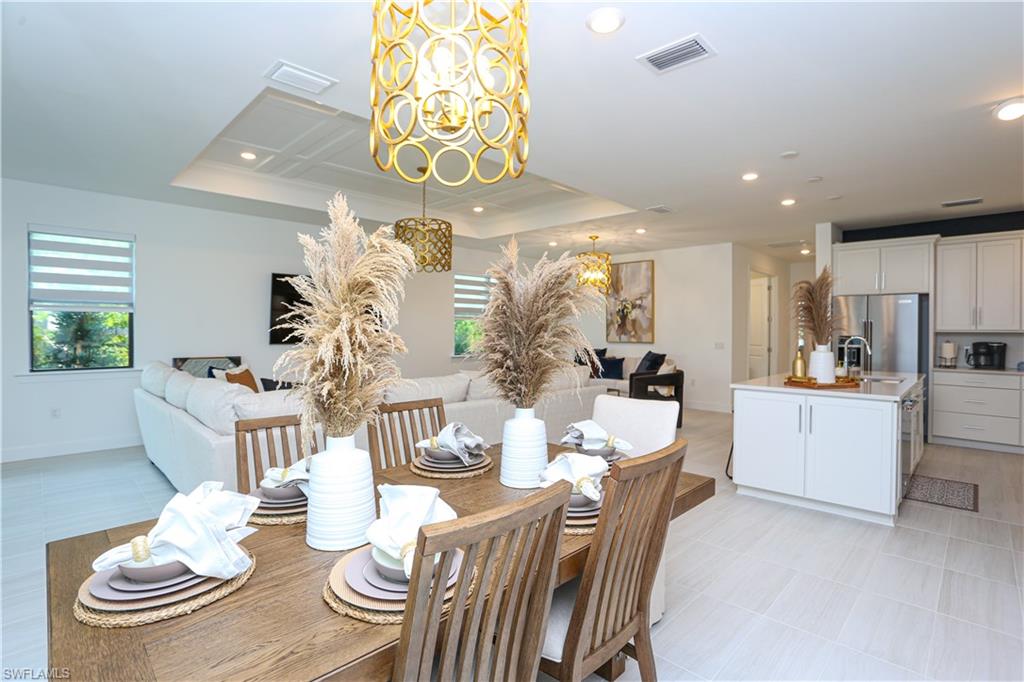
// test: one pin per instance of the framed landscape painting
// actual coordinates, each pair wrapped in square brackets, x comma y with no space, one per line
[629,310]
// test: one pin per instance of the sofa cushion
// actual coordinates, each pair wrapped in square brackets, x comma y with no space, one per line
[611,368]
[212,402]
[480,387]
[269,404]
[451,388]
[178,386]
[650,362]
[154,378]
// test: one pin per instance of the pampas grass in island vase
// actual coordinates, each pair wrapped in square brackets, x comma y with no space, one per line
[342,364]
[812,310]
[530,335]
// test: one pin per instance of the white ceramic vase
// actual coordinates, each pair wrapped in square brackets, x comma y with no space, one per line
[341,501]
[524,450]
[822,366]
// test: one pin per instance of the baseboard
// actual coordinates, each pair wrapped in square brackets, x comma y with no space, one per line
[72,447]
[817,505]
[977,445]
[706,406]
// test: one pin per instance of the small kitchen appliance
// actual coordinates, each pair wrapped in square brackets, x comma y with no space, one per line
[986,355]
[948,354]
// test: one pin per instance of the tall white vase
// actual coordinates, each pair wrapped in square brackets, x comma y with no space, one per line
[524,450]
[341,501]
[822,365]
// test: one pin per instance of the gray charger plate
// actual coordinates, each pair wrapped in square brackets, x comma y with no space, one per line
[120,582]
[425,463]
[263,498]
[356,579]
[100,588]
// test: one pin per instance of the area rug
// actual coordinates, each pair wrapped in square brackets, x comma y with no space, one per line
[955,494]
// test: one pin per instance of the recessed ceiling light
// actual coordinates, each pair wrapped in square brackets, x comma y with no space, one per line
[815,178]
[606,20]
[788,202]
[750,177]
[478,209]
[791,154]
[641,230]
[248,156]
[552,243]
[1010,110]
[834,197]
[805,251]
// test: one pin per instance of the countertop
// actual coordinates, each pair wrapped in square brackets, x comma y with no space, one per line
[970,370]
[894,390]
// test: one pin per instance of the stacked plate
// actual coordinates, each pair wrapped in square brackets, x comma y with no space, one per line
[607,453]
[442,462]
[584,514]
[279,501]
[358,580]
[112,590]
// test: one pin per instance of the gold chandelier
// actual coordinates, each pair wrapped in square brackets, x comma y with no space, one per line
[429,238]
[595,268]
[449,89]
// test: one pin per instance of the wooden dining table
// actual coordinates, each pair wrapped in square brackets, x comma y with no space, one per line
[277,626]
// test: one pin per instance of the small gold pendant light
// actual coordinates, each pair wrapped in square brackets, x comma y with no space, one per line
[595,268]
[429,238]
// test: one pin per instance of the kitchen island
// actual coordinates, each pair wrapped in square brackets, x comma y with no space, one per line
[847,451]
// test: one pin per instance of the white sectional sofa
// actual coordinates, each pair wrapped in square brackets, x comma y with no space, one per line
[188,424]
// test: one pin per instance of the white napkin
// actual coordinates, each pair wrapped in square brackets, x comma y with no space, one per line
[583,471]
[457,439]
[403,509]
[592,436]
[200,529]
[295,475]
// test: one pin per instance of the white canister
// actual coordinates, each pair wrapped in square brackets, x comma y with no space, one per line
[822,366]
[341,500]
[524,450]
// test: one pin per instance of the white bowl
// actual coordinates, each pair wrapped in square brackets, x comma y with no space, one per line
[392,568]
[291,492]
[440,455]
[153,574]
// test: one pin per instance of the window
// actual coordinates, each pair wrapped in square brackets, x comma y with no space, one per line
[81,299]
[471,295]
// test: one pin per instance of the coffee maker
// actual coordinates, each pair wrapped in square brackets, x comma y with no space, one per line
[986,355]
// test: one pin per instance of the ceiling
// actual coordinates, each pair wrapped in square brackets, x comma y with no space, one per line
[890,104]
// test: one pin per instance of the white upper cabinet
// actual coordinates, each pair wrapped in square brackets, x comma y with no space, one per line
[998,285]
[955,286]
[978,285]
[889,268]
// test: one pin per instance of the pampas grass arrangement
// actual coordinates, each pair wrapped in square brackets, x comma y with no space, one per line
[812,308]
[343,361]
[530,331]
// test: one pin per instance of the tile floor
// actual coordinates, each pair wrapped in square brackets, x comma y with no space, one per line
[756,590]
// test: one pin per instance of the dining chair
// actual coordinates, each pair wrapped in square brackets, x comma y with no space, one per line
[399,426]
[607,610]
[268,442]
[498,610]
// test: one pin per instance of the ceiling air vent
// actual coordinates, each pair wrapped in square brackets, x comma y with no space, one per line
[685,51]
[299,77]
[660,208]
[961,202]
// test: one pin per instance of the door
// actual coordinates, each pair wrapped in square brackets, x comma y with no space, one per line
[851,452]
[955,287]
[759,328]
[856,271]
[998,285]
[906,269]
[893,332]
[768,439]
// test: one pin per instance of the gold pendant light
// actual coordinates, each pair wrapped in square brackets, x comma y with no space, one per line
[449,89]
[595,268]
[429,238]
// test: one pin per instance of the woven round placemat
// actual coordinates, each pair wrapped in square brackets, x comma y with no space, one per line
[129,619]
[367,615]
[277,519]
[457,474]
[580,530]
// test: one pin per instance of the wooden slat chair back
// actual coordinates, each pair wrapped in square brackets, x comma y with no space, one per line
[399,426]
[498,612]
[613,602]
[268,442]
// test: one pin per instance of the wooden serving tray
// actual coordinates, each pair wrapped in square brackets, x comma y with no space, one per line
[841,382]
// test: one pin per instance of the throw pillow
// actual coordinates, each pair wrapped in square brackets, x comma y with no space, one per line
[274,385]
[600,352]
[611,368]
[243,378]
[651,362]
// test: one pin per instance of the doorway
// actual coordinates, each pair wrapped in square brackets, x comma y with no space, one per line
[760,326]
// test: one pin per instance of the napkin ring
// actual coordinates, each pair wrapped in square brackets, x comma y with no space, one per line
[407,547]
[578,485]
[140,548]
[611,441]
[433,442]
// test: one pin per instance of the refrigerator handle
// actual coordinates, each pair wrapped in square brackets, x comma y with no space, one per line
[869,333]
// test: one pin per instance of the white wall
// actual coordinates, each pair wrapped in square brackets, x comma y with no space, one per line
[693,320]
[744,262]
[203,288]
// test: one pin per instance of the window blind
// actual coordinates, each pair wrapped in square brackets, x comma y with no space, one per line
[471,295]
[69,271]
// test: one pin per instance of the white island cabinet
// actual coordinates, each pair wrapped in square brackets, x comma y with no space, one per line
[835,450]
